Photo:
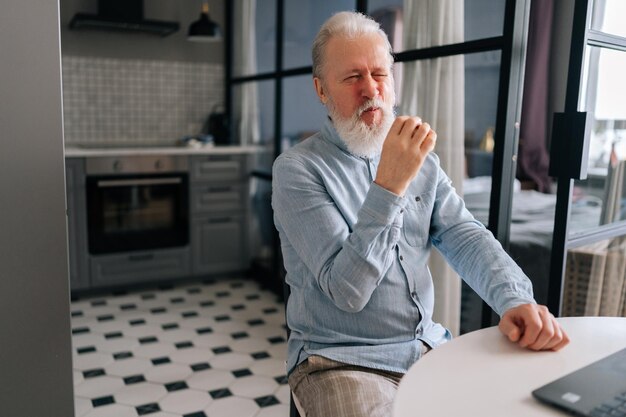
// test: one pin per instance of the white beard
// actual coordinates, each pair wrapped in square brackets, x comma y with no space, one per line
[363,140]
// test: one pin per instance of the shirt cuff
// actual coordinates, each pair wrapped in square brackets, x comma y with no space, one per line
[383,205]
[514,301]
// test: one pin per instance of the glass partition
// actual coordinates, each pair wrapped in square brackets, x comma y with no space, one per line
[253,122]
[254,38]
[601,198]
[481,19]
[303,19]
[299,113]
[253,113]
[588,260]
[608,17]
[482,75]
[303,114]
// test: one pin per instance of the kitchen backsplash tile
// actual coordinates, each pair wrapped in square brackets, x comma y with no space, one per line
[136,102]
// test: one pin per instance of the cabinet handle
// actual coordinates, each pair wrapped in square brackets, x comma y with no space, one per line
[217,165]
[220,220]
[142,257]
[138,181]
[220,158]
[219,189]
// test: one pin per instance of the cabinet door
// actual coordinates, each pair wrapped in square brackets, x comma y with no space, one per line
[218,245]
[141,266]
[77,224]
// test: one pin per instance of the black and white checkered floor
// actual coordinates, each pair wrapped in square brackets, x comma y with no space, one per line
[208,349]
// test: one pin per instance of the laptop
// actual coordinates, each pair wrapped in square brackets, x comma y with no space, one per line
[592,391]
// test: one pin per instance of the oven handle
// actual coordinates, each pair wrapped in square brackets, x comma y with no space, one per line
[138,181]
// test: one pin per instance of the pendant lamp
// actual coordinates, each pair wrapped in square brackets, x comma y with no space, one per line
[204,29]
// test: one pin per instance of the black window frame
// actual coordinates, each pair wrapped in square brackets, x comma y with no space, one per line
[567,170]
[511,44]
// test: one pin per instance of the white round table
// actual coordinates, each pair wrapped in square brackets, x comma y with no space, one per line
[483,374]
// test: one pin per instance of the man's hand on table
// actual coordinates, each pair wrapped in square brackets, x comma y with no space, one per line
[532,326]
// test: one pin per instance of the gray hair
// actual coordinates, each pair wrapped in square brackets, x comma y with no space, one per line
[346,24]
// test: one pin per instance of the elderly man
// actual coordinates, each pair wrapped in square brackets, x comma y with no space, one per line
[357,207]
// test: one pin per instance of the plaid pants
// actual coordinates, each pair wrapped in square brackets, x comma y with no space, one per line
[327,388]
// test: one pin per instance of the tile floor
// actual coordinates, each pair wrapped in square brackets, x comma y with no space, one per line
[206,349]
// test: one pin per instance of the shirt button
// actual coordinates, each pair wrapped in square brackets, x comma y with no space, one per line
[413,294]
[401,211]
[401,258]
[417,198]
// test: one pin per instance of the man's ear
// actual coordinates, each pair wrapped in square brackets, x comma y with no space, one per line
[319,89]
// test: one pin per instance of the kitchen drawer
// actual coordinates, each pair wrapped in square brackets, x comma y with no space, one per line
[141,266]
[217,168]
[218,197]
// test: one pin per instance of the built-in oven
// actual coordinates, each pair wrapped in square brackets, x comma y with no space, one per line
[137,203]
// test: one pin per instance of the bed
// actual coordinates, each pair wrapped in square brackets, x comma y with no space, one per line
[532,224]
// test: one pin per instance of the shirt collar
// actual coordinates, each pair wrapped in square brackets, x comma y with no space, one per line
[330,133]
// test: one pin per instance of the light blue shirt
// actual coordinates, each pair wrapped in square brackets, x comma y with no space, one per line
[356,256]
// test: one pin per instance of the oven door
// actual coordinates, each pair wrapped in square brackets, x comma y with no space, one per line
[137,212]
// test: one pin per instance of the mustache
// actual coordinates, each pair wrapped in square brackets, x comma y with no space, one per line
[373,102]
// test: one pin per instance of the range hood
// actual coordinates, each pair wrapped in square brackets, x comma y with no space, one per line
[122,15]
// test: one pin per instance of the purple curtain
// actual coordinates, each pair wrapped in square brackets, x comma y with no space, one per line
[533,158]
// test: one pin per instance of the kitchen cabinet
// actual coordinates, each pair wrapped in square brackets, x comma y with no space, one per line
[219,213]
[218,244]
[219,219]
[140,266]
[77,223]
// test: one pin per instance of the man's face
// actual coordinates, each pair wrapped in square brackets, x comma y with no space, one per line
[355,71]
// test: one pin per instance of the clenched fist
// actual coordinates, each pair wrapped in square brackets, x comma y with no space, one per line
[406,146]
[532,326]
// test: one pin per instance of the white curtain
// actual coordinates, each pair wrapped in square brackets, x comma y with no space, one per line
[434,90]
[247,114]
[249,120]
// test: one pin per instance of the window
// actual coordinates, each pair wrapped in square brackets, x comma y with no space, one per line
[589,256]
[490,69]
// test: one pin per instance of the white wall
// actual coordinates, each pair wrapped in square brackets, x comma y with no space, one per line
[35,347]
